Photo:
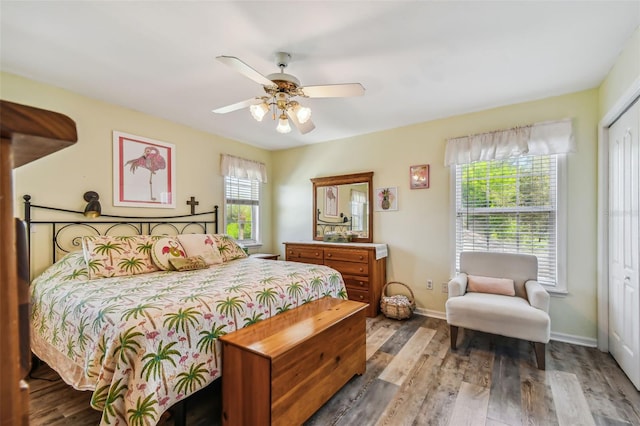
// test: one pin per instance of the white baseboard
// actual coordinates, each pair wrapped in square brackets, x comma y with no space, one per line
[559,337]
[431,313]
[575,340]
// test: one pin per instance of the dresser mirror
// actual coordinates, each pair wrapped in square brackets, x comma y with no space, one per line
[342,204]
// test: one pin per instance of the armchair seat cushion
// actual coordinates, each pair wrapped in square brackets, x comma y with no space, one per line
[497,314]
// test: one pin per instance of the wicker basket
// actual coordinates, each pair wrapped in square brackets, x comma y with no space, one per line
[398,306]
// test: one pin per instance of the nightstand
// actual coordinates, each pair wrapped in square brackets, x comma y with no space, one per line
[268,256]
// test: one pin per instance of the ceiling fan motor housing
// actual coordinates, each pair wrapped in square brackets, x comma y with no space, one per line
[285,82]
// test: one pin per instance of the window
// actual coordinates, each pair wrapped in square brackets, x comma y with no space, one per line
[242,209]
[358,200]
[512,205]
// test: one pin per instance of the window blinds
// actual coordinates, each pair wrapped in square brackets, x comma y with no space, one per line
[242,191]
[509,206]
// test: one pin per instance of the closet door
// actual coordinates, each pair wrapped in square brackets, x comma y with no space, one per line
[624,242]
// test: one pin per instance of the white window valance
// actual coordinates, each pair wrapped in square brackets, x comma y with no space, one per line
[552,137]
[241,168]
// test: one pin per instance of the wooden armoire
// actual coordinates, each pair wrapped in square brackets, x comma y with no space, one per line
[28,133]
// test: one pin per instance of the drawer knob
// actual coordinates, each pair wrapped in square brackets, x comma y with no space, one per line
[361,269]
[361,297]
[329,255]
[361,284]
[361,257]
[316,253]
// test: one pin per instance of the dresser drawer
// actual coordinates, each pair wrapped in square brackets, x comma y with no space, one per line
[361,256]
[363,273]
[305,254]
[349,268]
[358,295]
[356,282]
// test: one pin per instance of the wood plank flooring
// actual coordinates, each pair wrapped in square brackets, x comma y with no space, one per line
[413,378]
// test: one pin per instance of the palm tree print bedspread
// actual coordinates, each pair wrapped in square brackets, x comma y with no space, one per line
[144,342]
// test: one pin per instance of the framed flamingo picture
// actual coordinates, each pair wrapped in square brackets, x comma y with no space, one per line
[331,201]
[144,172]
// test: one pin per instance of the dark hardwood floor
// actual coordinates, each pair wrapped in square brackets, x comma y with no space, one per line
[413,378]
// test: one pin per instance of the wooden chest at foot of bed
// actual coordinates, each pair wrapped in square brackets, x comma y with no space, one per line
[281,370]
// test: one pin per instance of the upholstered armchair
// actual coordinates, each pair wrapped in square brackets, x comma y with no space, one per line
[499,293]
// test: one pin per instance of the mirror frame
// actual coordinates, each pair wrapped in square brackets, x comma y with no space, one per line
[366,177]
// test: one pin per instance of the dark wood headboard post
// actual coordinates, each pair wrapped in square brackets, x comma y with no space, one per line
[27,219]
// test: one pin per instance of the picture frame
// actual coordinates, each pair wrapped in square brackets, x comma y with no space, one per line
[386,199]
[419,176]
[144,172]
[331,201]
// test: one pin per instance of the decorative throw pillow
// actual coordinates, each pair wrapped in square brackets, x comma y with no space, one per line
[228,247]
[165,249]
[200,245]
[113,256]
[188,263]
[491,285]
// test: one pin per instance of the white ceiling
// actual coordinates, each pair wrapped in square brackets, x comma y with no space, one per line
[418,60]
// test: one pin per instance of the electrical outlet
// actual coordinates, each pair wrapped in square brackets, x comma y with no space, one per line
[429,285]
[445,287]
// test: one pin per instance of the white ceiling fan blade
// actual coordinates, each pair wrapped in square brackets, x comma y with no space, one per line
[334,90]
[303,128]
[245,70]
[237,106]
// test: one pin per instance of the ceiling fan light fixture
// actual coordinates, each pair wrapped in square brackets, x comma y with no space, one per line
[283,124]
[258,111]
[302,113]
[281,88]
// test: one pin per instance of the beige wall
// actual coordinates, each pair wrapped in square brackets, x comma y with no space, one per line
[418,234]
[61,179]
[624,73]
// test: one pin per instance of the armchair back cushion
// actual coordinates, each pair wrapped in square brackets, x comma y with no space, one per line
[518,267]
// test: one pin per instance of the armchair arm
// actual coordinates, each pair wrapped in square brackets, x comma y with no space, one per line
[458,285]
[537,295]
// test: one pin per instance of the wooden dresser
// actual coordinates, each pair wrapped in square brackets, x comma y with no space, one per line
[363,266]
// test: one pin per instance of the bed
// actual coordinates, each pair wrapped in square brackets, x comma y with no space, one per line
[144,342]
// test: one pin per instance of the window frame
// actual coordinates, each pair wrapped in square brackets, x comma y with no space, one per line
[561,287]
[256,213]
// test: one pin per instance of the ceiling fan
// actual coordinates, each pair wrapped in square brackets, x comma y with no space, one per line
[281,89]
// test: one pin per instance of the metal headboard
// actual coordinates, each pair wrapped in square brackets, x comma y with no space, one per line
[66,235]
[323,226]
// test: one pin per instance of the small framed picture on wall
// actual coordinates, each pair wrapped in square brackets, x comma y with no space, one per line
[419,176]
[386,199]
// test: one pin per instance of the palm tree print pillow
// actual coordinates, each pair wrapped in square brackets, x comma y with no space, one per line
[111,256]
[228,247]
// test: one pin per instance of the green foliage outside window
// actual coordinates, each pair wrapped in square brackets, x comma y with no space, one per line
[508,202]
[239,220]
